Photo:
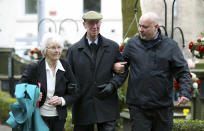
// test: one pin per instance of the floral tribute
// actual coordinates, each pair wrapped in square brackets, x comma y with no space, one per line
[35,53]
[195,85]
[123,44]
[197,48]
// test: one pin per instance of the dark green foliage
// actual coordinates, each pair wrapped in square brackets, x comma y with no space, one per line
[5,101]
[68,125]
[188,125]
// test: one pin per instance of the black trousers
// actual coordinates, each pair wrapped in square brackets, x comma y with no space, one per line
[151,119]
[106,126]
[54,124]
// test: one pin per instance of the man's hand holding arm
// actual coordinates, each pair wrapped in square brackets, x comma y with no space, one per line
[119,67]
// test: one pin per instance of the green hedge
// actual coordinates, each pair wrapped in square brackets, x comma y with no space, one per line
[188,125]
[5,101]
[68,125]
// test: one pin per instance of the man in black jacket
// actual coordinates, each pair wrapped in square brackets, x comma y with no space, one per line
[154,61]
[91,60]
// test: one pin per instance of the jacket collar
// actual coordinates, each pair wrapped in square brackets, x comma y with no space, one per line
[101,40]
[103,43]
[58,66]
[156,41]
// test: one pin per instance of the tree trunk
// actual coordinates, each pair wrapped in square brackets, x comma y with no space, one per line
[128,15]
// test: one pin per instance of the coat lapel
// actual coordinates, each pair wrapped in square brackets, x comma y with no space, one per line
[101,50]
[43,77]
[84,47]
[87,52]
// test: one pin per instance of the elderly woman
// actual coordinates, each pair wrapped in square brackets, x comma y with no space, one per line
[56,81]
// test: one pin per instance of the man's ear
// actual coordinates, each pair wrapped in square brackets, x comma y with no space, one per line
[157,26]
[84,24]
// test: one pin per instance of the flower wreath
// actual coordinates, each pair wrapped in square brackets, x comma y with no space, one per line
[123,44]
[35,53]
[195,85]
[197,48]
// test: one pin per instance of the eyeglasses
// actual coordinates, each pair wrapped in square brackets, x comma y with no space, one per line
[92,22]
[54,48]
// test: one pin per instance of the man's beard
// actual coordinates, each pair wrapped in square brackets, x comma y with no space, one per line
[142,37]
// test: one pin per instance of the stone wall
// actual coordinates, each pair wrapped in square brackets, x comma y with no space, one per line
[11,69]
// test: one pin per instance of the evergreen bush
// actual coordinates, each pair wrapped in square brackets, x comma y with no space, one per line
[188,125]
[5,101]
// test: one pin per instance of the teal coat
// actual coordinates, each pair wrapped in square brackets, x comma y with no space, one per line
[24,114]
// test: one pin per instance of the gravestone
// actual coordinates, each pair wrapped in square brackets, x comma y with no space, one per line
[198,102]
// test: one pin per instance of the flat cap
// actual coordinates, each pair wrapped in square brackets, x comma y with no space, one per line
[92,15]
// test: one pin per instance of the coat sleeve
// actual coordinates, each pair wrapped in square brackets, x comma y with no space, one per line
[181,71]
[127,50]
[72,97]
[118,79]
[30,74]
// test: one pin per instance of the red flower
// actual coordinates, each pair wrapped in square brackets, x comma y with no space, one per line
[198,40]
[176,85]
[35,49]
[191,89]
[199,82]
[121,48]
[31,51]
[202,49]
[39,53]
[35,52]
[199,48]
[190,45]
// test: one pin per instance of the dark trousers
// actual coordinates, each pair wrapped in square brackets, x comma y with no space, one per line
[106,126]
[151,119]
[54,124]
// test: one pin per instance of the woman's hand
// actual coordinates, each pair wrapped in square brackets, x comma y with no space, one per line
[55,100]
[40,97]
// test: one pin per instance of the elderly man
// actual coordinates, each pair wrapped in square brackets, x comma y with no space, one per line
[91,60]
[154,61]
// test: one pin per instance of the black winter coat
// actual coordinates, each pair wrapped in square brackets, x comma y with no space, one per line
[152,70]
[36,72]
[89,108]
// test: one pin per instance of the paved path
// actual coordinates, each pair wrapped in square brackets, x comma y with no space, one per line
[5,128]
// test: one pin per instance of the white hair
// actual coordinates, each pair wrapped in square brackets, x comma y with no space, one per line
[51,37]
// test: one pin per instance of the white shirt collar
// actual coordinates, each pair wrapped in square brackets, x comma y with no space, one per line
[58,66]
[89,41]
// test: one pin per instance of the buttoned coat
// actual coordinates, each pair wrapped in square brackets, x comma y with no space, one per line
[90,108]
[36,72]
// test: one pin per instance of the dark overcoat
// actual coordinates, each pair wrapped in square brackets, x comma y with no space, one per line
[90,108]
[36,72]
